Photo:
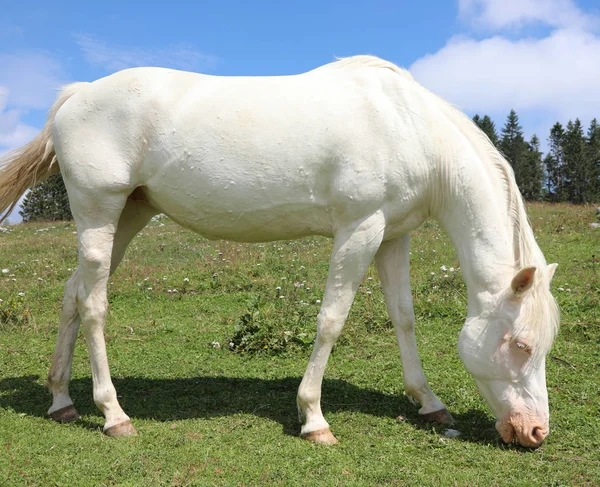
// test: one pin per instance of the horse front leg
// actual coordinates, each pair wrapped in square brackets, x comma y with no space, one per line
[393,262]
[353,250]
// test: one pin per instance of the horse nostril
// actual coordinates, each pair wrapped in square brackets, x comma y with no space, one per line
[538,434]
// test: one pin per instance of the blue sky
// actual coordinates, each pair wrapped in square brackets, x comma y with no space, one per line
[540,57]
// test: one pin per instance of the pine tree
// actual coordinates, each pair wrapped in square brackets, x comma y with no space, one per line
[592,155]
[576,170]
[488,127]
[47,201]
[513,146]
[532,171]
[554,163]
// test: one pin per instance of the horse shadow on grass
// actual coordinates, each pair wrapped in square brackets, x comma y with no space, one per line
[168,400]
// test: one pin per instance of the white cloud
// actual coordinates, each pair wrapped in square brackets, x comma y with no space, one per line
[114,58]
[545,79]
[502,14]
[558,73]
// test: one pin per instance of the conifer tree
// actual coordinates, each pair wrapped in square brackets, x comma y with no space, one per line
[576,169]
[554,162]
[592,155]
[532,172]
[513,146]
[488,127]
[47,201]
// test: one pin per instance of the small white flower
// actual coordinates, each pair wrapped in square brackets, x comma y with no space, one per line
[283,278]
[446,276]
[185,279]
[561,288]
[443,268]
[164,278]
[369,278]
[21,294]
[0,300]
[451,269]
[149,289]
[432,273]
[302,267]
[278,288]
[5,271]
[318,301]
[40,279]
[281,297]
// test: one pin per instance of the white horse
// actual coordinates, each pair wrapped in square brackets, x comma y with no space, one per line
[355,150]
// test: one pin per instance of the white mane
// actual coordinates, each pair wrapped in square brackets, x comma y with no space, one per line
[539,318]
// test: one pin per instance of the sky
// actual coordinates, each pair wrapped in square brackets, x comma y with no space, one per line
[538,57]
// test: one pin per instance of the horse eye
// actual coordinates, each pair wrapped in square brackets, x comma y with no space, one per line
[523,346]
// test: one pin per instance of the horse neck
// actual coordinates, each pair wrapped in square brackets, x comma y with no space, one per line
[475,212]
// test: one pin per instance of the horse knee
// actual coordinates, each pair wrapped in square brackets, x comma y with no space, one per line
[329,329]
[403,316]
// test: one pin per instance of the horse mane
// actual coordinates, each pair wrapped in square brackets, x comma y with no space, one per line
[539,319]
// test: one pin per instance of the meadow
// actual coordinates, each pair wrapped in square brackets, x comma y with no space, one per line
[208,341]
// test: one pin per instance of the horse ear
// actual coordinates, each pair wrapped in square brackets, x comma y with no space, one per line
[550,271]
[522,281]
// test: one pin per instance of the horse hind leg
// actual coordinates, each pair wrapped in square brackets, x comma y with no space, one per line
[393,261]
[134,217]
[62,409]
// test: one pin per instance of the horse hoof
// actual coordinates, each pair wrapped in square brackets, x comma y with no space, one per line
[65,415]
[442,417]
[122,429]
[323,436]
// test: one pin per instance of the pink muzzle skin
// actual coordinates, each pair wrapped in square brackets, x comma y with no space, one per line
[527,433]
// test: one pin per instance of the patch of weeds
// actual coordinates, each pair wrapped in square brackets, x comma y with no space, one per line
[13,312]
[272,328]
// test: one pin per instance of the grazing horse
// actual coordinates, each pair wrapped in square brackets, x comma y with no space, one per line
[355,150]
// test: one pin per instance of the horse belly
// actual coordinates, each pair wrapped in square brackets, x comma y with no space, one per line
[238,210]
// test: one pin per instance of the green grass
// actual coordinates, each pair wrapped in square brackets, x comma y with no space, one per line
[210,416]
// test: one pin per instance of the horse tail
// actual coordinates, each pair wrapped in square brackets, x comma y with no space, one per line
[32,163]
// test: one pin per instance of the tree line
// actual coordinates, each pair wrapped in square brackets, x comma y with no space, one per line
[570,171]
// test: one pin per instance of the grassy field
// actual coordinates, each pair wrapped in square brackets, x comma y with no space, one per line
[207,415]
